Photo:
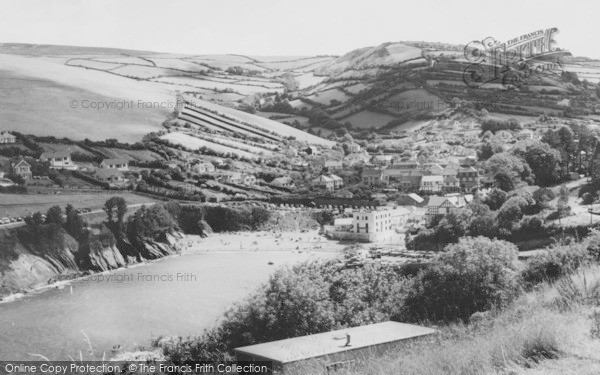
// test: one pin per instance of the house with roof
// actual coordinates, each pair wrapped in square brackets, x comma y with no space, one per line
[357,158]
[323,182]
[451,183]
[373,176]
[432,168]
[334,165]
[21,168]
[468,178]
[6,137]
[526,134]
[120,164]
[434,183]
[440,206]
[410,180]
[338,182]
[284,182]
[58,160]
[234,178]
[202,167]
[248,180]
[410,199]
[111,176]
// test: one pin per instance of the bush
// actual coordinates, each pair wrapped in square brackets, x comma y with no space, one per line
[473,275]
[554,263]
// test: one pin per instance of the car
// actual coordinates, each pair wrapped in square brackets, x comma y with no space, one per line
[5,220]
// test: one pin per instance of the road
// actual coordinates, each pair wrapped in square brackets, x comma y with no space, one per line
[22,223]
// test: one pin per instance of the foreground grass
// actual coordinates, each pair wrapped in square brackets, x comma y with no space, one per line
[552,330]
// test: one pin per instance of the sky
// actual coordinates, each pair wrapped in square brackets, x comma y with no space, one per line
[291,28]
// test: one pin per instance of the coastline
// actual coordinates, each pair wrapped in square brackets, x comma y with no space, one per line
[280,242]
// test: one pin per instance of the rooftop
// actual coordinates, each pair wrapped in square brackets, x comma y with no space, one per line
[321,344]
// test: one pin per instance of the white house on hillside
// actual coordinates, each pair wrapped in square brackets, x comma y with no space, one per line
[58,160]
[120,164]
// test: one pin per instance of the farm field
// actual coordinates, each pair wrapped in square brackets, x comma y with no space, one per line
[194,143]
[60,147]
[263,123]
[325,97]
[19,205]
[137,155]
[42,106]
[368,120]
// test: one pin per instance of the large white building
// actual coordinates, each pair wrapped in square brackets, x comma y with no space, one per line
[381,224]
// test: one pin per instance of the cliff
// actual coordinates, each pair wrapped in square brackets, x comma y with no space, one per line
[25,267]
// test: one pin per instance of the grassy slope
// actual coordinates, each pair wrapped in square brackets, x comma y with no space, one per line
[552,330]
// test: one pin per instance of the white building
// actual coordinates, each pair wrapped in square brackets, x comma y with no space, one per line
[120,164]
[58,160]
[6,137]
[432,183]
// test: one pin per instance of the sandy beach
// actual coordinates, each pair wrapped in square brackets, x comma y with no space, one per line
[260,241]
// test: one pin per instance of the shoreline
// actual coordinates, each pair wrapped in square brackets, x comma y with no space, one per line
[188,244]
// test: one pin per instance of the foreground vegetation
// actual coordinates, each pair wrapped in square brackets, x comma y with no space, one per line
[493,311]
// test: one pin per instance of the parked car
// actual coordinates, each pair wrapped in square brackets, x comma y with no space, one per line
[5,220]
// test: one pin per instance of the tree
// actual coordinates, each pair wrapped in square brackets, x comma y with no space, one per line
[513,165]
[544,162]
[562,206]
[504,182]
[473,275]
[488,149]
[54,215]
[495,199]
[115,205]
[542,196]
[74,224]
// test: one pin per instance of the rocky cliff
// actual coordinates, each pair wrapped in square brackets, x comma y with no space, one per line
[24,268]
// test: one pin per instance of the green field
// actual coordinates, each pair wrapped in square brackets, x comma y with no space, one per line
[19,205]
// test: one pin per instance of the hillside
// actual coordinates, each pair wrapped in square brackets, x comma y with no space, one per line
[51,90]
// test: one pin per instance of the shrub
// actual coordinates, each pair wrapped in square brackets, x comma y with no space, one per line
[473,275]
[554,263]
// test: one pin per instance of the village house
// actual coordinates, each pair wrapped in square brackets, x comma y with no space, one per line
[526,134]
[248,180]
[357,158]
[22,168]
[111,176]
[451,183]
[202,167]
[338,182]
[410,180]
[373,176]
[433,168]
[353,147]
[468,178]
[323,182]
[564,103]
[58,160]
[434,183]
[334,165]
[410,199]
[284,182]
[6,137]
[120,164]
[405,165]
[235,178]
[441,206]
